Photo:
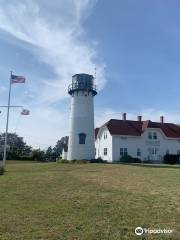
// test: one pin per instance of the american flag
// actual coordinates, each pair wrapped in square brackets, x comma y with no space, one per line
[25,112]
[17,79]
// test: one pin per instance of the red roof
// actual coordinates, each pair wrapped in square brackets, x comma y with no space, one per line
[136,128]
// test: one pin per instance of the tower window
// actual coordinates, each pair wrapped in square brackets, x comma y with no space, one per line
[82,138]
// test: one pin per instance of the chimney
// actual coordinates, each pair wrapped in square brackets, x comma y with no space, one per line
[139,118]
[124,116]
[162,119]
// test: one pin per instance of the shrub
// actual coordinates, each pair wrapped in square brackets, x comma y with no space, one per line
[73,161]
[79,161]
[129,159]
[38,155]
[147,161]
[171,159]
[2,170]
[98,160]
[63,161]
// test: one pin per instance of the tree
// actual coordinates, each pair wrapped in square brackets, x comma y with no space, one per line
[50,154]
[38,155]
[16,147]
[59,146]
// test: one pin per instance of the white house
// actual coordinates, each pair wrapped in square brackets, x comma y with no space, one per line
[146,140]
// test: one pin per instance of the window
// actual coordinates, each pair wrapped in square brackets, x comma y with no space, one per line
[82,138]
[178,152]
[105,151]
[167,151]
[154,135]
[123,152]
[156,150]
[153,151]
[105,135]
[138,152]
[150,135]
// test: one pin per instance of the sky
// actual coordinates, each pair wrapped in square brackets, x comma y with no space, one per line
[134,46]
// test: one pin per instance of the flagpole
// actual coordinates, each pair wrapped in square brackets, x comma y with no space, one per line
[7,123]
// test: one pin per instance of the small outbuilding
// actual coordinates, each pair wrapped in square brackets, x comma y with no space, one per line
[65,152]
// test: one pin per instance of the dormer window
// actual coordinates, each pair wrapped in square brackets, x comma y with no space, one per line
[105,135]
[154,135]
[82,138]
[150,135]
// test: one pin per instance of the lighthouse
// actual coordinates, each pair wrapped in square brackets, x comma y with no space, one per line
[81,137]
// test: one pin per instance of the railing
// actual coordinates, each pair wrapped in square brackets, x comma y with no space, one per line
[82,86]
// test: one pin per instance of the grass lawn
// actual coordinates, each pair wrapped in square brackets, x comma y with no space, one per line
[88,201]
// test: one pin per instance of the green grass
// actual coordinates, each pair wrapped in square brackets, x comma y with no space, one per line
[87,201]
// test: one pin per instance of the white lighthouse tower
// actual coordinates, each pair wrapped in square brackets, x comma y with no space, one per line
[81,137]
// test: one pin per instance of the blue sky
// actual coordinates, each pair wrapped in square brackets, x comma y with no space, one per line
[135,46]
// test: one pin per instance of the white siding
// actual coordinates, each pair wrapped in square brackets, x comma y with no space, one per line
[131,143]
[81,121]
[102,143]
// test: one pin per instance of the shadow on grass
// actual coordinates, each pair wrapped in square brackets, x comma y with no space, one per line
[151,165]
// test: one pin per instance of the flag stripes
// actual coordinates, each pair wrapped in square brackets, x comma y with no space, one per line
[25,112]
[17,79]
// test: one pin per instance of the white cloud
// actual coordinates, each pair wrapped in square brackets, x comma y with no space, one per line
[2,89]
[54,28]
[53,31]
